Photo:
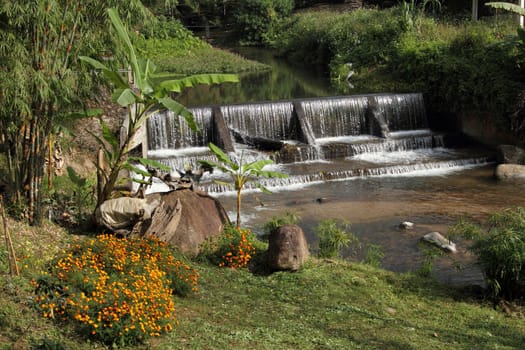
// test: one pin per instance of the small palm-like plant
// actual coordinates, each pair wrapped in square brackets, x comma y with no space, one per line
[333,238]
[241,173]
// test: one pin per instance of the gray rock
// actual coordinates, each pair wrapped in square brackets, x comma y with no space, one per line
[406,225]
[438,240]
[510,172]
[287,248]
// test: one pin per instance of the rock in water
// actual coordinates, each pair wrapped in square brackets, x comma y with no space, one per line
[514,172]
[287,248]
[438,240]
[406,225]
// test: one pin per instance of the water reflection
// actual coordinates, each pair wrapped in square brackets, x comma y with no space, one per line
[284,81]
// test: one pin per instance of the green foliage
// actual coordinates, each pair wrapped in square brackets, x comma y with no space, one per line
[430,254]
[116,290]
[374,255]
[241,173]
[41,78]
[413,11]
[143,97]
[258,21]
[197,59]
[500,251]
[280,220]
[466,66]
[333,237]
[169,28]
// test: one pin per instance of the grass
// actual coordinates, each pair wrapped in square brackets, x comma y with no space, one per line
[329,304]
[201,58]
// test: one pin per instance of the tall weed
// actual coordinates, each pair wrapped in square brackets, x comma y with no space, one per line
[500,251]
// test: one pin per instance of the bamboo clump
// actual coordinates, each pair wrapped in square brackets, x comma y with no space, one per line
[13,266]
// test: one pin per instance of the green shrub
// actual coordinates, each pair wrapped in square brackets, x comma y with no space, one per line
[115,290]
[280,220]
[333,236]
[258,21]
[374,255]
[500,251]
[460,66]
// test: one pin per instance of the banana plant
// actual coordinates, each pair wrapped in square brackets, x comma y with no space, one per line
[241,173]
[143,96]
[507,6]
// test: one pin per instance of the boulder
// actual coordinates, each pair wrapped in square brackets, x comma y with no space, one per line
[287,248]
[186,218]
[510,154]
[438,240]
[124,212]
[510,172]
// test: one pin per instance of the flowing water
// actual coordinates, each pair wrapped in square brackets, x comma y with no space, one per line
[369,160]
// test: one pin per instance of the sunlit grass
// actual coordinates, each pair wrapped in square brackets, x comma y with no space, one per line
[328,304]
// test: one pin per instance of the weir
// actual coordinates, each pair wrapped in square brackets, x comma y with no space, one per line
[333,135]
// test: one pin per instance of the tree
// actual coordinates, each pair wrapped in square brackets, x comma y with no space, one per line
[241,173]
[143,96]
[41,79]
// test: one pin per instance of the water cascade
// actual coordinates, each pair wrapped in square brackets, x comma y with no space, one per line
[318,139]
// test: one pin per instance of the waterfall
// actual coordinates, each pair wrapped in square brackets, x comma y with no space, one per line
[403,111]
[167,131]
[338,116]
[270,120]
[317,139]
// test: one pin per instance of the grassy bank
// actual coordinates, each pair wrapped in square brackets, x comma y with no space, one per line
[460,65]
[329,304]
[196,58]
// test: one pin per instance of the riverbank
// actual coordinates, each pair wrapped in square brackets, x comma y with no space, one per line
[328,304]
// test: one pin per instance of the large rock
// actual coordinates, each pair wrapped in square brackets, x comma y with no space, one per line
[510,172]
[198,217]
[510,154]
[287,249]
[124,212]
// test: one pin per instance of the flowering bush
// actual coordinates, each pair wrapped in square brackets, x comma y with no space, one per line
[115,290]
[233,248]
[236,244]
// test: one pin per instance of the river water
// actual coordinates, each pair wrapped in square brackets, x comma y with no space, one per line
[373,206]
